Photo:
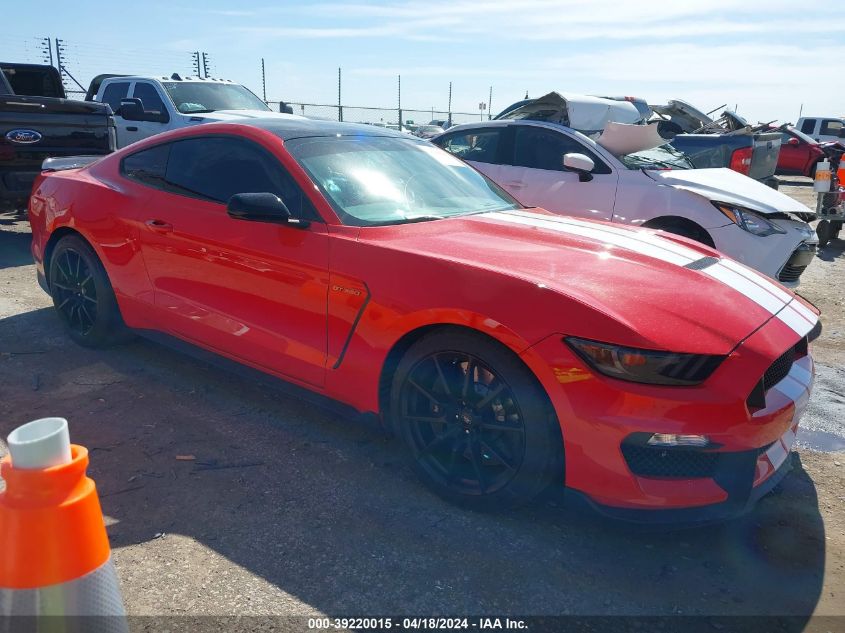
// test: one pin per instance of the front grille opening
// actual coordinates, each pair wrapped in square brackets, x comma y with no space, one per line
[790,274]
[678,463]
[779,369]
[776,372]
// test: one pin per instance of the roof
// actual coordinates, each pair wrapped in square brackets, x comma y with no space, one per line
[287,129]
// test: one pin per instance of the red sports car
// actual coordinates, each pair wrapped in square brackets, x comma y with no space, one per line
[510,349]
[799,153]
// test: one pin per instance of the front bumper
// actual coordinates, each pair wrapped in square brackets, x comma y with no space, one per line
[782,256]
[599,416]
[738,503]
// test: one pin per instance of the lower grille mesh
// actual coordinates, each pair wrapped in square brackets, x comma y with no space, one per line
[790,273]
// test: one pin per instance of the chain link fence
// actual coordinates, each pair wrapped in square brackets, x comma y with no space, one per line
[377,116]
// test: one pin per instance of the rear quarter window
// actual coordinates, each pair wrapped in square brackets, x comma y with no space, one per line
[148,166]
[808,125]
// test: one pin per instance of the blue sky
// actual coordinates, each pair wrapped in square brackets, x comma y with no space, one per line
[766,56]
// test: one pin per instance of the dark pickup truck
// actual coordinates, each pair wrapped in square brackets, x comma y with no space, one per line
[725,142]
[38,122]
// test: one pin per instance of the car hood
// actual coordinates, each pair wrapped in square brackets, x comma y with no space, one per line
[235,115]
[625,285]
[726,185]
[580,112]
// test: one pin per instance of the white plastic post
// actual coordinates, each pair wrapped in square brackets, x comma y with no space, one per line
[40,444]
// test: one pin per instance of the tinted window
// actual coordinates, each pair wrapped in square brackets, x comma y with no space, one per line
[114,93]
[149,97]
[477,145]
[539,148]
[808,125]
[148,166]
[831,127]
[217,168]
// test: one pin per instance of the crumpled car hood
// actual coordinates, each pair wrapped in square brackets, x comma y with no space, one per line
[726,185]
[586,114]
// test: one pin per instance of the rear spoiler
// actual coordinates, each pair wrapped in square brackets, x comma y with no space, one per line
[68,162]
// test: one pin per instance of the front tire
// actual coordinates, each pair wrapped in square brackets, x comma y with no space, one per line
[479,428]
[83,296]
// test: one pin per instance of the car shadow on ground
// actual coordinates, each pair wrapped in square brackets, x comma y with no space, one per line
[14,248]
[791,181]
[834,249]
[326,509]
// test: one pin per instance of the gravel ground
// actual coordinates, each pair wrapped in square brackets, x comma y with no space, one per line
[290,510]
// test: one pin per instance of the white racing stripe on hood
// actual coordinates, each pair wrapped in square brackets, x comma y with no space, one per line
[748,283]
[629,242]
[639,235]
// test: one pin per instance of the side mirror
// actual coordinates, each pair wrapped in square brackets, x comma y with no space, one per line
[793,141]
[261,207]
[580,163]
[842,132]
[284,108]
[132,109]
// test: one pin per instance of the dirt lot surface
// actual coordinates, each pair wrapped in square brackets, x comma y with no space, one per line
[290,510]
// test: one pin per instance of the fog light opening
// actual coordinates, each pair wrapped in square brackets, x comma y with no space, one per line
[672,439]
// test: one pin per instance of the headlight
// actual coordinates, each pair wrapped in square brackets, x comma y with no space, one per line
[748,220]
[645,366]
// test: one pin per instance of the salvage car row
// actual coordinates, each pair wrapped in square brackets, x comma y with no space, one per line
[455,295]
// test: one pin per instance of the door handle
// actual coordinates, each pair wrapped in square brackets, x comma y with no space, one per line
[159,226]
[515,185]
[131,128]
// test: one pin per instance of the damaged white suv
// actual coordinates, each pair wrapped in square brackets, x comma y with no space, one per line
[549,165]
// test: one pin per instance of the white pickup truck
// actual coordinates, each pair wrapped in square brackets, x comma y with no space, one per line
[144,106]
[822,128]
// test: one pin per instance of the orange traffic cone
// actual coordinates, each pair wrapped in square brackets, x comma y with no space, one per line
[56,571]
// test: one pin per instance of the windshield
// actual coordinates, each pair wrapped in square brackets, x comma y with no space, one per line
[794,131]
[193,96]
[384,180]
[663,157]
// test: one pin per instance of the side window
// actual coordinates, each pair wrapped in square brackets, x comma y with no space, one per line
[149,97]
[478,145]
[539,148]
[216,168]
[831,127]
[808,125]
[113,93]
[147,166]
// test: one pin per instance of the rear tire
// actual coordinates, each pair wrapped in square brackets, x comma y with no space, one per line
[479,428]
[83,296]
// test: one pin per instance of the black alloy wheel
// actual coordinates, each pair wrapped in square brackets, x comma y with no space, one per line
[83,296]
[466,428]
[479,427]
[74,292]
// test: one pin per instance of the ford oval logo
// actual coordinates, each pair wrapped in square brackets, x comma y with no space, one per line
[23,137]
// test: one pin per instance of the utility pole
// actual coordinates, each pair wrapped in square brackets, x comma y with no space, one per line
[47,50]
[195,59]
[205,64]
[490,104]
[59,59]
[63,71]
[263,81]
[339,105]
[449,120]
[400,103]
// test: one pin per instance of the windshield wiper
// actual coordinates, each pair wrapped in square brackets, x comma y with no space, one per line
[421,218]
